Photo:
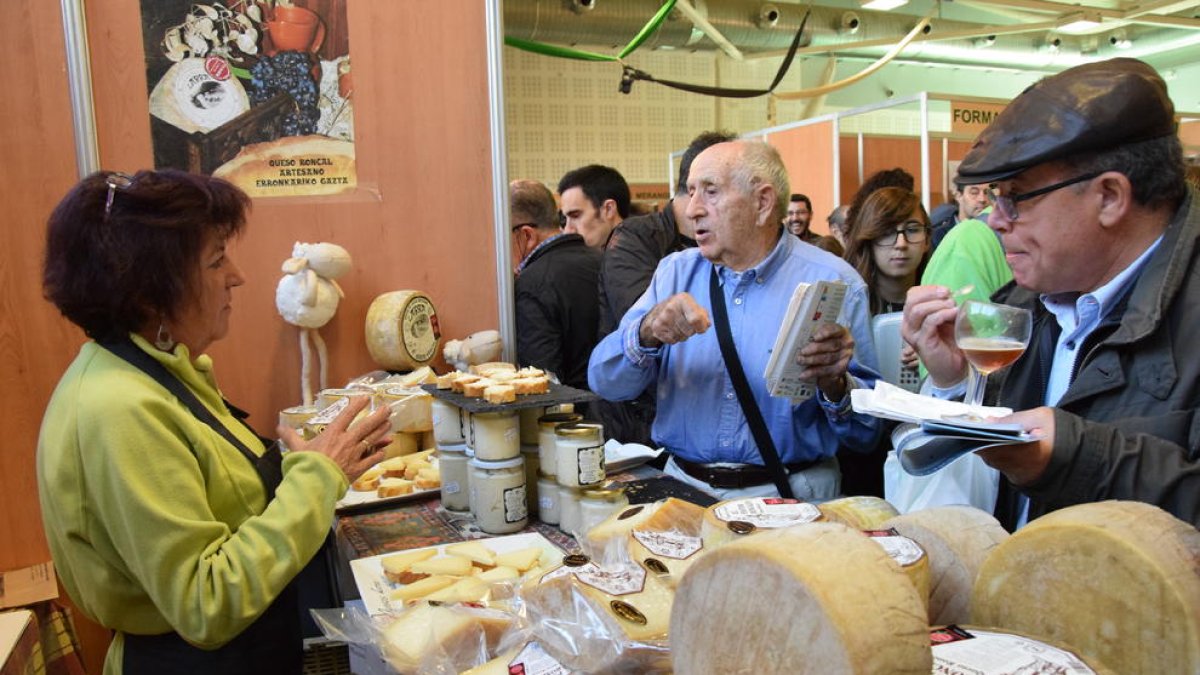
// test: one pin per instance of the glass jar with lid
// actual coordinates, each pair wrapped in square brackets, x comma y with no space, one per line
[497,435]
[548,442]
[530,453]
[452,463]
[498,495]
[447,423]
[597,504]
[579,456]
[547,491]
[568,509]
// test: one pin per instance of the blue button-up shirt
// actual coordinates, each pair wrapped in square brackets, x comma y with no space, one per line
[699,418]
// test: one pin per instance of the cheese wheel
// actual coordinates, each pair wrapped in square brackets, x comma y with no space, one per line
[859,513]
[970,649]
[909,555]
[1118,580]
[732,519]
[402,330]
[957,540]
[431,638]
[663,516]
[819,598]
[594,619]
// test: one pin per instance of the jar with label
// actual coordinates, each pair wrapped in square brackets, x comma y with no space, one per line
[530,453]
[470,479]
[497,435]
[569,516]
[447,423]
[530,417]
[498,495]
[579,456]
[468,429]
[295,417]
[548,442]
[597,504]
[547,491]
[452,463]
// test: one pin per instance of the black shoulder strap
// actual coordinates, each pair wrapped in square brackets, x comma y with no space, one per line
[758,427]
[268,466]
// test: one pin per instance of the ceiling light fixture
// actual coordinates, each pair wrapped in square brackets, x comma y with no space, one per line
[1119,39]
[1079,23]
[882,5]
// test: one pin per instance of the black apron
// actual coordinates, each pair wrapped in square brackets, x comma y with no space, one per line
[273,643]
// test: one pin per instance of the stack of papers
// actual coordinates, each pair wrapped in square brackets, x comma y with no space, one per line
[936,432]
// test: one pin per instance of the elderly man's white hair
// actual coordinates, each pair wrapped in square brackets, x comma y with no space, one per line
[761,163]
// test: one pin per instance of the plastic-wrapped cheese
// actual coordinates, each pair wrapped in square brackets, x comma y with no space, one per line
[1120,581]
[860,513]
[816,599]
[957,540]
[427,637]
[529,658]
[668,514]
[732,519]
[402,330]
[992,651]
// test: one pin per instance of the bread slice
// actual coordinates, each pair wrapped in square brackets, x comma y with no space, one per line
[531,385]
[414,468]
[368,481]
[444,381]
[394,487]
[476,388]
[500,393]
[428,479]
[486,369]
[530,371]
[392,468]
[462,381]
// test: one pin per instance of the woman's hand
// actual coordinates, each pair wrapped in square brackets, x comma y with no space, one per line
[354,449]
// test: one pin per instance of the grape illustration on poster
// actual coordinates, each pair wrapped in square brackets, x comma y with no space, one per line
[258,92]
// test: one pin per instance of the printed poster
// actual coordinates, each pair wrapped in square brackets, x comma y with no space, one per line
[259,92]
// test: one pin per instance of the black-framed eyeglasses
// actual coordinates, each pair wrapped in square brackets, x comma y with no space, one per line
[115,181]
[913,232]
[1007,204]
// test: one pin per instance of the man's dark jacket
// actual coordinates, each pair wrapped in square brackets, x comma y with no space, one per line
[557,309]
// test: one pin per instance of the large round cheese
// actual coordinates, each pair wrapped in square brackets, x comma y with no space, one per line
[861,512]
[969,649]
[909,555]
[819,598]
[1120,581]
[957,540]
[402,330]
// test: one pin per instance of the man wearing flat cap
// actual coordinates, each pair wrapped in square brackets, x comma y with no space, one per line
[1100,230]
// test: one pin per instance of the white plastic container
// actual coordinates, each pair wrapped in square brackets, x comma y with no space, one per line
[498,495]
[497,435]
[447,423]
[596,504]
[569,516]
[579,455]
[548,442]
[530,453]
[470,479]
[452,462]
[547,491]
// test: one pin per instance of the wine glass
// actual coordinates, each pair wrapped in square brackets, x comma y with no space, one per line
[990,336]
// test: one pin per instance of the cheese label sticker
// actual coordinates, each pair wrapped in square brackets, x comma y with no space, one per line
[987,652]
[565,570]
[533,660]
[450,487]
[628,578]
[669,544]
[418,325]
[514,504]
[330,413]
[591,465]
[903,550]
[768,512]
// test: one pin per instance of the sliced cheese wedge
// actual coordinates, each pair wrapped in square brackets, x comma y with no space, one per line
[400,562]
[473,551]
[423,587]
[521,559]
[499,573]
[450,564]
[466,589]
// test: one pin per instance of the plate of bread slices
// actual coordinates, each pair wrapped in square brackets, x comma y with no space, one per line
[488,387]
[398,479]
[469,571]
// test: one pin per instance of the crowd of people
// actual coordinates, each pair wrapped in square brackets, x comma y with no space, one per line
[1073,204]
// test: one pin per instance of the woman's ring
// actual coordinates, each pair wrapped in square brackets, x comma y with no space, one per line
[366,445]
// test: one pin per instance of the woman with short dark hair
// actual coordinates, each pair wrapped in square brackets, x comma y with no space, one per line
[169,520]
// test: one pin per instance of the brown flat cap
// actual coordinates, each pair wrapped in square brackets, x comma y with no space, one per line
[1091,107]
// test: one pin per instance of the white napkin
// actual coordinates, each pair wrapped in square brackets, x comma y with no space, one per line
[894,403]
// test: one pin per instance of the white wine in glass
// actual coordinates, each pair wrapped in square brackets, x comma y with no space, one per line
[991,337]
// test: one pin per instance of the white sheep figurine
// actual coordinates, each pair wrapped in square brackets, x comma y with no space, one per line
[307,297]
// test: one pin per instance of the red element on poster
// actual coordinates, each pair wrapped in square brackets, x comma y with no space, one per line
[217,67]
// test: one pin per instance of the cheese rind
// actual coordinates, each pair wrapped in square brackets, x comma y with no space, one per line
[1120,581]
[813,599]
[860,512]
[957,540]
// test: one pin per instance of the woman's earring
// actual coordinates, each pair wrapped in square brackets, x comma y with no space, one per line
[163,339]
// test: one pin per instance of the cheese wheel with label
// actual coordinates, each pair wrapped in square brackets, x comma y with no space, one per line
[909,555]
[816,599]
[957,540]
[402,330]
[1120,581]
[995,651]
[735,518]
[860,513]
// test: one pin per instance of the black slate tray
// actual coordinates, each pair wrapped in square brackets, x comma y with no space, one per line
[559,393]
[649,490]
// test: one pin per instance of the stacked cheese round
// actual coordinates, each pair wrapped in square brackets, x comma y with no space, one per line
[1118,580]
[819,598]
[957,540]
[860,512]
[402,330]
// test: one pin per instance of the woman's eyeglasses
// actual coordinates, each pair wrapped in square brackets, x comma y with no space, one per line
[912,231]
[115,181]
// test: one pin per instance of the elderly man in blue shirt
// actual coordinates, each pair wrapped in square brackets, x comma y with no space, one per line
[737,196]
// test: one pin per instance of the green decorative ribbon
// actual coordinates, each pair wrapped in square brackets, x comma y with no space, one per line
[579,54]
